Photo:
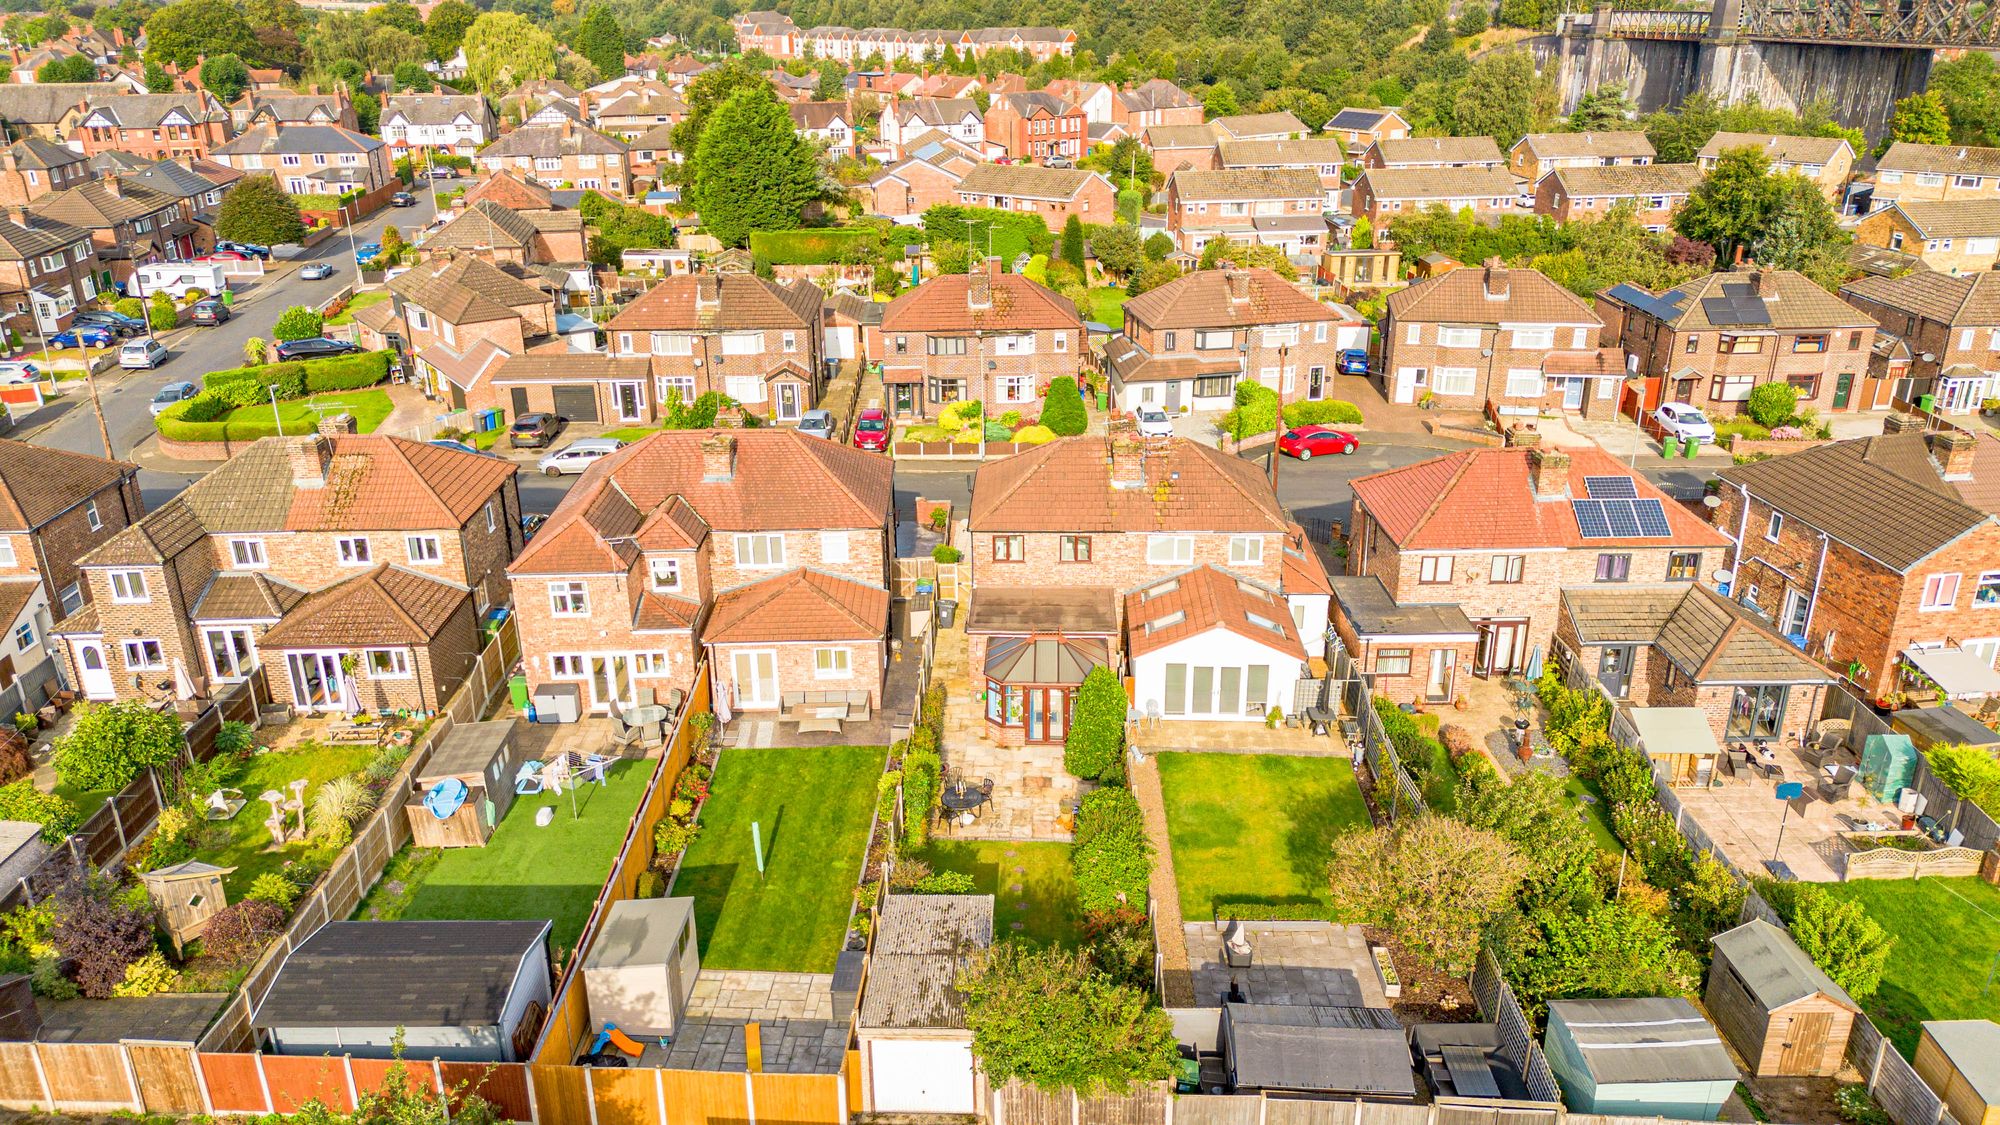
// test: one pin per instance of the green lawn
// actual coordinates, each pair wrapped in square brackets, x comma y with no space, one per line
[630,434]
[360,301]
[87,801]
[524,871]
[1255,829]
[1596,814]
[1947,944]
[244,843]
[370,409]
[1044,906]
[813,808]
[1107,304]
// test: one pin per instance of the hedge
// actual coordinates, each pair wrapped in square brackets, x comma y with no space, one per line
[1256,406]
[245,386]
[1012,233]
[830,246]
[346,372]
[1425,757]
[1109,855]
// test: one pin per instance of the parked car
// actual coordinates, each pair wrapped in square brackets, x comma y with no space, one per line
[1307,442]
[173,393]
[230,256]
[1680,420]
[312,347]
[367,252]
[249,248]
[816,423]
[530,524]
[462,447]
[1153,422]
[144,352]
[317,271]
[19,371]
[116,322]
[871,430]
[208,312]
[83,335]
[533,431]
[1352,361]
[402,199]
[578,455]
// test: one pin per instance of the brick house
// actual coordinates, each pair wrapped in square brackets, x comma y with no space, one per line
[1500,533]
[55,508]
[130,224]
[633,115]
[1395,642]
[1175,147]
[906,189]
[509,236]
[1950,328]
[31,168]
[756,341]
[1435,152]
[1065,534]
[1358,130]
[1499,337]
[152,126]
[1653,192]
[1538,154]
[1155,101]
[1714,339]
[340,569]
[1827,161]
[1322,156]
[1381,194]
[1189,342]
[51,111]
[1864,586]
[457,123]
[47,271]
[310,159]
[1036,126]
[830,124]
[454,312]
[992,336]
[562,155]
[1279,126]
[958,118]
[286,108]
[1951,236]
[1283,208]
[1908,172]
[1053,193]
[765,550]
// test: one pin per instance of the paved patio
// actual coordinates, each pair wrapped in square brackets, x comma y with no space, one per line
[798,1028]
[751,995]
[1294,963]
[1743,817]
[1160,736]
[1032,793]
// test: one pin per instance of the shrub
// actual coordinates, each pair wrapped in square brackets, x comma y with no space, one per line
[1425,757]
[129,306]
[161,315]
[996,431]
[336,807]
[649,884]
[46,979]
[298,323]
[926,433]
[1325,412]
[20,800]
[233,739]
[1062,410]
[147,975]
[1842,939]
[241,930]
[1255,412]
[959,415]
[109,744]
[943,883]
[1034,435]
[100,932]
[1972,773]
[275,889]
[923,782]
[1110,857]
[671,837]
[946,554]
[205,407]
[1772,404]
[1094,746]
[1858,1108]
[346,372]
[826,246]
[16,761]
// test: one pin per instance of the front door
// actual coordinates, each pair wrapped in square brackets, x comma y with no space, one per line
[1614,670]
[1573,394]
[1843,389]
[1797,606]
[756,679]
[1315,383]
[628,400]
[1173,395]
[788,402]
[315,680]
[96,676]
[1444,664]
[610,678]
[1408,379]
[906,399]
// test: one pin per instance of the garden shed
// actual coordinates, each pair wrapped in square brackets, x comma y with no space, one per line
[1960,1060]
[1784,1016]
[1317,1051]
[1643,1057]
[916,1052]
[641,968]
[189,895]
[470,779]
[1679,741]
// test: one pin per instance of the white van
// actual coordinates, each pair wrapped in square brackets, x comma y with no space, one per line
[176,278]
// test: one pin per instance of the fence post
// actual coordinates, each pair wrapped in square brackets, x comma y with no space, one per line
[132,1077]
[1875,1070]
[749,1097]
[42,1076]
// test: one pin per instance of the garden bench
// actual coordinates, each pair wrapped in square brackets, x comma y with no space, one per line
[823,705]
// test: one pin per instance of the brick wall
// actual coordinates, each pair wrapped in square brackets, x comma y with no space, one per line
[1489,379]
[982,367]
[1664,352]
[797,665]
[1117,560]
[53,549]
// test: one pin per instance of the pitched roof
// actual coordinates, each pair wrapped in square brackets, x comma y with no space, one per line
[1773,967]
[553,141]
[38,103]
[466,290]
[799,605]
[1952,218]
[1781,149]
[36,235]
[101,203]
[35,152]
[1157,93]
[287,106]
[1031,181]
[818,116]
[39,483]
[1396,151]
[296,140]
[1484,498]
[1709,638]
[1198,184]
[937,111]
[1257,154]
[1439,183]
[1612,143]
[1358,120]
[1629,179]
[1463,297]
[1250,126]
[147,111]
[401,974]
[173,178]
[509,188]
[387,605]
[1203,299]
[1970,299]
[1795,303]
[1067,485]
[434,109]
[486,224]
[1883,496]
[944,303]
[242,595]
[1190,604]
[1181,136]
[720,302]
[1904,156]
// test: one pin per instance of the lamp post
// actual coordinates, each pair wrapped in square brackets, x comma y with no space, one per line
[1278,416]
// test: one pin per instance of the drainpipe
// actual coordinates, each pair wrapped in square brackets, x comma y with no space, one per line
[1819,572]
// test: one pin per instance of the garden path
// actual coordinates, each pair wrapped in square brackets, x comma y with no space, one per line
[1177,977]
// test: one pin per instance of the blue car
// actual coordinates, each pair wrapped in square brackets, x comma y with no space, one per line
[88,336]
[1353,361]
[367,251]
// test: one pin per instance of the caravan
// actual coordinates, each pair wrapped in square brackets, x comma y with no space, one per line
[176,278]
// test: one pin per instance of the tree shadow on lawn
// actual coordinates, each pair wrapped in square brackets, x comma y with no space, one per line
[1315,818]
[709,885]
[1899,1014]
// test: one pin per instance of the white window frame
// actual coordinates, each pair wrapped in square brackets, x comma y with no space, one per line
[354,550]
[1454,381]
[1524,382]
[1170,550]
[7,557]
[128,587]
[834,548]
[1457,337]
[247,554]
[833,664]
[138,645]
[1532,338]
[1940,592]
[747,548]
[91,515]
[397,661]
[424,550]
[1434,570]
[569,598]
[663,576]
[1774,527]
[1246,550]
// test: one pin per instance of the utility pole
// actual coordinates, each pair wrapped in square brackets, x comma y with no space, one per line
[1278,416]
[103,430]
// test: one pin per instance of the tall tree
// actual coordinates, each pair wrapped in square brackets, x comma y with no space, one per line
[1502,98]
[1219,101]
[398,14]
[602,41]
[752,170]
[158,81]
[707,93]
[1072,241]
[69,68]
[1117,249]
[225,76]
[503,50]
[255,209]
[1053,1019]
[1801,232]
[1727,208]
[1605,108]
[1969,87]
[1921,119]
[832,85]
[445,30]
[186,31]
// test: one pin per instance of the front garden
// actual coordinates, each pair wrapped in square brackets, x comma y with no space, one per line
[235,403]
[1251,832]
[355,304]
[1063,414]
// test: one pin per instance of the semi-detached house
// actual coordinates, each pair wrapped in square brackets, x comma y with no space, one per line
[152,126]
[1282,207]
[765,551]
[1826,161]
[958,118]
[566,154]
[1538,154]
[130,224]
[1949,236]
[47,271]
[1917,172]
[1053,193]
[1319,155]
[1434,152]
[756,341]
[311,159]
[992,336]
[1186,344]
[1381,194]
[457,123]
[1653,192]
[1037,126]
[1948,329]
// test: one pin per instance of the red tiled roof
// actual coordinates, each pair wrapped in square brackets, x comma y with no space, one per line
[943,303]
[384,606]
[1205,598]
[719,302]
[1066,486]
[390,484]
[1202,300]
[1304,572]
[1482,499]
[800,605]
[658,611]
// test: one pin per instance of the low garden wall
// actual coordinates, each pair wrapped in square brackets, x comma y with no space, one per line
[1772,447]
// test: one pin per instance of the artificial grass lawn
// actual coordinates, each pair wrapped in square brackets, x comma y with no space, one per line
[1596,813]
[1255,829]
[360,301]
[813,808]
[370,409]
[1045,908]
[246,843]
[1947,938]
[524,871]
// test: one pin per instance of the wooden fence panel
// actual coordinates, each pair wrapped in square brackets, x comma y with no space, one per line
[166,1078]
[804,1099]
[696,1097]
[234,1083]
[1373,1114]
[83,1074]
[295,1080]
[626,1097]
[503,1084]
[1022,1104]
[370,1075]
[1288,1111]
[20,1082]
[1209,1109]
[560,1095]
[231,1032]
[1145,1106]
[852,1069]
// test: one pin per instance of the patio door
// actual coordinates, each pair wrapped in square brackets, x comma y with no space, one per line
[1793,622]
[1501,645]
[1048,714]
[1444,665]
[756,679]
[610,678]
[316,680]
[231,655]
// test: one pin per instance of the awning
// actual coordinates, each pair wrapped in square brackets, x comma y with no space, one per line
[1045,660]
[1962,674]
[1660,732]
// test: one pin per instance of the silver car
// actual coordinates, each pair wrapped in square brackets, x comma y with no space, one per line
[144,353]
[817,423]
[578,455]
[171,394]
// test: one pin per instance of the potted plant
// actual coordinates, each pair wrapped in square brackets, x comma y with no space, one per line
[1272,718]
[1461,703]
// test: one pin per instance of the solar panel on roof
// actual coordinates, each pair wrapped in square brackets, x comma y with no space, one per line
[1624,524]
[1652,519]
[1664,308]
[1738,289]
[1611,488]
[1590,521]
[1735,310]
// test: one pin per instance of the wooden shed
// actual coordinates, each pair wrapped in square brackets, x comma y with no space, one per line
[1784,1016]
[481,756]
[189,895]
[1960,1060]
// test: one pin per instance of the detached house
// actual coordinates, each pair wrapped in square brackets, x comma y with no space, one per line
[311,159]
[632,115]
[454,313]
[152,126]
[507,235]
[285,108]
[1053,193]
[992,336]
[929,174]
[765,548]
[756,341]
[457,123]
[1538,154]
[1955,236]
[1036,126]
[1175,147]
[52,111]
[1358,130]
[563,155]
[1928,173]
[1827,161]
[1652,191]
[1283,208]
[958,118]
[1506,337]
[1947,327]
[344,571]
[1189,342]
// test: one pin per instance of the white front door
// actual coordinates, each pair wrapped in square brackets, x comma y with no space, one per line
[1408,379]
[90,665]
[788,402]
[756,679]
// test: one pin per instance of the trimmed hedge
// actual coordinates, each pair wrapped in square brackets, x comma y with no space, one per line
[1110,855]
[830,246]
[346,372]
[246,386]
[1256,409]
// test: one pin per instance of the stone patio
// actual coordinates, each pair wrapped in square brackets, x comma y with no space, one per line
[1032,793]
[794,1012]
[1295,963]
[1743,818]
[752,995]
[1162,736]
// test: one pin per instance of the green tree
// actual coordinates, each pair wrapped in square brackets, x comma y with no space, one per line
[126,16]
[1062,408]
[368,112]
[1053,1019]
[1969,88]
[1501,97]
[109,744]
[158,81]
[1117,249]
[225,76]
[706,94]
[617,227]
[1607,108]
[1728,207]
[255,209]
[186,31]
[1680,135]
[20,800]
[1536,815]
[1607,950]
[1434,883]
[445,30]
[601,40]
[398,14]
[1094,747]
[1072,241]
[832,85]
[298,323]
[1971,772]
[1772,404]
[1152,276]
[503,50]
[1474,18]
[412,78]
[161,314]
[1159,246]
[752,169]
[1801,232]
[69,68]
[1921,119]
[1841,939]
[1219,101]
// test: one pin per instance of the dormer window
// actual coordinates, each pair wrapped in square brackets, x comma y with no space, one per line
[664,575]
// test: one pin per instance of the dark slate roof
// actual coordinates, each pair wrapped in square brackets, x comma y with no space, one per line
[1708,637]
[1644,1039]
[1773,967]
[1299,1047]
[1366,604]
[401,974]
[297,140]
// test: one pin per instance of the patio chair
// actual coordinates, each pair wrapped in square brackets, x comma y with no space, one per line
[528,779]
[675,697]
[1831,734]
[623,734]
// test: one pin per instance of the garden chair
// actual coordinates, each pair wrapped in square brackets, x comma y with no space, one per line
[1831,734]
[528,779]
[623,734]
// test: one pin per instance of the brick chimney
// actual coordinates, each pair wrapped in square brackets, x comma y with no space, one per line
[568,128]
[1128,454]
[112,185]
[1523,436]
[718,457]
[707,293]
[1548,473]
[1496,283]
[1767,283]
[979,286]
[309,457]
[1238,284]
[334,425]
[1898,422]
[1953,451]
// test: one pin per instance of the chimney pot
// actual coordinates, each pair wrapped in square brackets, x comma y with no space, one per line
[1548,473]
[1953,451]
[309,456]
[1496,279]
[718,456]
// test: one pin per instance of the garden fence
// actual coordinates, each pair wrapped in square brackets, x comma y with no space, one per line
[1952,813]
[1016,1104]
[1517,1036]
[1892,1080]
[1404,798]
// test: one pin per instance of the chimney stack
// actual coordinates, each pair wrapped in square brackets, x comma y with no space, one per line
[1238,283]
[112,185]
[1496,279]
[1767,283]
[18,215]
[568,128]
[718,457]
[979,286]
[1548,473]
[1953,451]
[309,457]
[1128,454]
[1523,436]
[1898,422]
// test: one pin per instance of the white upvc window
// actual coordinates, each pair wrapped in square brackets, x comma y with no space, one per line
[1524,382]
[569,599]
[664,574]
[1017,343]
[742,343]
[7,558]
[353,550]
[1281,336]
[144,654]
[1534,338]
[424,549]
[91,516]
[745,388]
[1434,569]
[1940,591]
[1454,380]
[1015,388]
[129,586]
[833,548]
[1170,550]
[831,664]
[246,554]
[1412,333]
[760,551]
[673,343]
[1246,550]
[1457,338]
[388,663]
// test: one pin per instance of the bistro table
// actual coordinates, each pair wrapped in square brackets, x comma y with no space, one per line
[961,801]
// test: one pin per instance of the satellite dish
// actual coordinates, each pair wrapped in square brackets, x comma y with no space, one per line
[1711,501]
[1725,575]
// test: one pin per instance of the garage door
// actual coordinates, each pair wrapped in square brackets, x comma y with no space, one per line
[578,404]
[839,343]
[922,1077]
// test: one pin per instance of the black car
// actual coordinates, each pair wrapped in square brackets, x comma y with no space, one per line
[533,431]
[402,199]
[208,312]
[313,347]
[118,323]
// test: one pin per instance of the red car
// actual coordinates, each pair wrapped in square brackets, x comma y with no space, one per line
[1307,442]
[228,256]
[871,430]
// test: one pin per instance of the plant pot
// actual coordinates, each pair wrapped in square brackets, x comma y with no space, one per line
[1461,703]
